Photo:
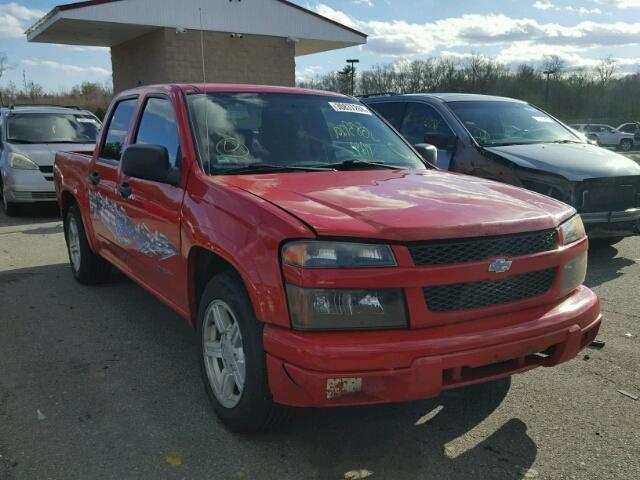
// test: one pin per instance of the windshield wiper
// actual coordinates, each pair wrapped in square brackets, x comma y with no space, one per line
[19,140]
[356,164]
[268,168]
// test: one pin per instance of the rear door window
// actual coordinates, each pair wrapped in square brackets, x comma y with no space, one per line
[118,129]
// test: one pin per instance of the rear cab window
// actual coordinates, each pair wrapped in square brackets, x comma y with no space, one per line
[118,129]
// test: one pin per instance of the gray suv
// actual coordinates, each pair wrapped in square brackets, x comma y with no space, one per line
[514,142]
[30,136]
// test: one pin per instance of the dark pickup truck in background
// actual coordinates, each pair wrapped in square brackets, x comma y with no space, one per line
[514,142]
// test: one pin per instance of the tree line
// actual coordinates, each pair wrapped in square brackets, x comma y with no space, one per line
[91,96]
[598,95]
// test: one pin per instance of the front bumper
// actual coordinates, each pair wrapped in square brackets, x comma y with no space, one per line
[28,186]
[352,368]
[607,224]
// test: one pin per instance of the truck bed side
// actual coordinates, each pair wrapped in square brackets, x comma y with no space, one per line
[70,176]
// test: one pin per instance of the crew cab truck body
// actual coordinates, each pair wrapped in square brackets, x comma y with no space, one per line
[321,261]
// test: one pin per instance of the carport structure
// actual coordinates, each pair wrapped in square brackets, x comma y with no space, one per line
[164,41]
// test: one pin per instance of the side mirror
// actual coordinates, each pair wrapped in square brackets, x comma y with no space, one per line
[149,162]
[428,152]
[441,140]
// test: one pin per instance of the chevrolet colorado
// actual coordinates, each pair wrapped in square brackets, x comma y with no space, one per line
[321,260]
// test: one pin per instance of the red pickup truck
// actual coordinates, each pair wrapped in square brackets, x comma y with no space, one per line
[321,260]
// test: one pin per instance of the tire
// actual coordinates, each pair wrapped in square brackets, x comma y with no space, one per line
[626,145]
[247,408]
[10,209]
[604,242]
[88,268]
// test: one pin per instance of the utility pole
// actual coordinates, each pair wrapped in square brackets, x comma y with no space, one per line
[353,61]
[546,96]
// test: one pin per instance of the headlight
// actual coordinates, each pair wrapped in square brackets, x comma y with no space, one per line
[319,254]
[345,309]
[572,230]
[574,274]
[20,162]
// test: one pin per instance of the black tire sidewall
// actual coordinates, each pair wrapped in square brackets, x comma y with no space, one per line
[75,214]
[253,410]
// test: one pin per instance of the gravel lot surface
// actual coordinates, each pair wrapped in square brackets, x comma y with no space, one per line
[102,383]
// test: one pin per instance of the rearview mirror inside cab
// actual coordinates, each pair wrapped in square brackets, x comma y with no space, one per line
[149,162]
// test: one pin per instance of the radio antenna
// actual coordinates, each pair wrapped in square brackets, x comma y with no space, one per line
[204,74]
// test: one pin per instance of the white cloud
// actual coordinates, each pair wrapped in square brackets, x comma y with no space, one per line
[368,3]
[620,3]
[307,73]
[547,5]
[66,68]
[543,5]
[521,39]
[12,16]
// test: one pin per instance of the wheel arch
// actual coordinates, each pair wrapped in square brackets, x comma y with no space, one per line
[202,265]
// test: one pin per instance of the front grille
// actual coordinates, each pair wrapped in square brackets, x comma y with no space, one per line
[610,194]
[483,248]
[48,169]
[43,196]
[464,296]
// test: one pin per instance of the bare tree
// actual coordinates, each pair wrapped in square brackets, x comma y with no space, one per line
[605,70]
[555,65]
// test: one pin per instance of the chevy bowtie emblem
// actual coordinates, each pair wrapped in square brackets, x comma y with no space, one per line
[500,266]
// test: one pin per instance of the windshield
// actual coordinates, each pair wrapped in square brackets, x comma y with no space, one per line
[247,131]
[52,128]
[494,123]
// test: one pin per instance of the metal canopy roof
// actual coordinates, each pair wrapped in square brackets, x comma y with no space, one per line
[107,23]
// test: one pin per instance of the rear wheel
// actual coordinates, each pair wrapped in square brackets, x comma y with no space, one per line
[626,145]
[232,357]
[87,267]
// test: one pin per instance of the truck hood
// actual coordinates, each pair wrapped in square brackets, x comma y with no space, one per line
[403,205]
[44,154]
[573,161]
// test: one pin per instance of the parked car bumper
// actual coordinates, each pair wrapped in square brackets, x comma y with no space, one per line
[28,186]
[352,368]
[608,224]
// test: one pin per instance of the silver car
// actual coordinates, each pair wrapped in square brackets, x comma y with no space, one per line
[30,136]
[606,135]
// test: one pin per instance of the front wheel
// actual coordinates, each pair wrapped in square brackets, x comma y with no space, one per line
[626,145]
[87,267]
[232,357]
[10,209]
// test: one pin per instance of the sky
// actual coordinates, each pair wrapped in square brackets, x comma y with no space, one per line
[581,32]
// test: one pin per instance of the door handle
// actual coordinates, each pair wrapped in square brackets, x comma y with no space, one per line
[125,190]
[94,178]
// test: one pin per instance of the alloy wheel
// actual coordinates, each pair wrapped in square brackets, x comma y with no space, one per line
[223,353]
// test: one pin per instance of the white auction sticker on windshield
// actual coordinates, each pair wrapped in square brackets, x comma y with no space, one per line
[86,120]
[349,108]
[543,119]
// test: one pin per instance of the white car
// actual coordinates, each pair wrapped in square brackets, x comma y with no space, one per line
[30,136]
[606,135]
[629,127]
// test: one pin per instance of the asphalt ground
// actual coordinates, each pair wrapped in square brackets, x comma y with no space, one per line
[103,383]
